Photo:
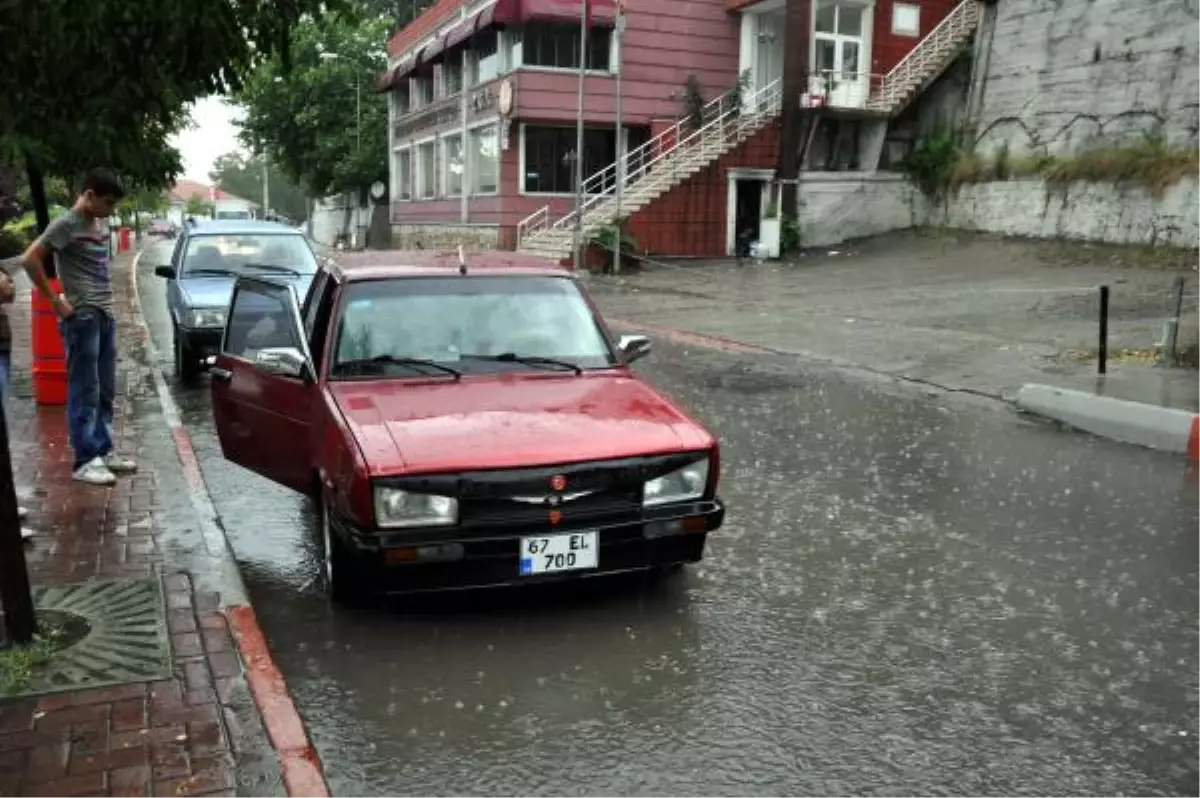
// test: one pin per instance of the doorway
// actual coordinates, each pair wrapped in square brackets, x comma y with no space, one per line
[747,211]
[840,47]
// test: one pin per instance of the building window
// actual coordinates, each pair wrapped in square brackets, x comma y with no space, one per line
[485,58]
[426,171]
[452,160]
[843,19]
[403,188]
[557,46]
[422,91]
[400,98]
[549,156]
[485,160]
[906,19]
[452,75]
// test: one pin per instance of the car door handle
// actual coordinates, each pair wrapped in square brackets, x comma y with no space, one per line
[224,375]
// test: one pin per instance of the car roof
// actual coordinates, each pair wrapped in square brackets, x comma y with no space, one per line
[380,264]
[238,227]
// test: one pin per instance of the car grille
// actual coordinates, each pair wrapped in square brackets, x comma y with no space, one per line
[597,493]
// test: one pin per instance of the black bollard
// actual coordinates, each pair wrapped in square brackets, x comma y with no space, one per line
[1102,359]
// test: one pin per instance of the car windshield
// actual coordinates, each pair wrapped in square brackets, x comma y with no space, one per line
[252,254]
[474,324]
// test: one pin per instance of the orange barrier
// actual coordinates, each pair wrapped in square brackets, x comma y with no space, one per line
[1193,446]
[124,242]
[49,356]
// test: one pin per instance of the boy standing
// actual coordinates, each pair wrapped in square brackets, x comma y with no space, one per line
[80,240]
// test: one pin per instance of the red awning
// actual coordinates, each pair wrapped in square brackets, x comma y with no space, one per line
[386,81]
[602,12]
[432,51]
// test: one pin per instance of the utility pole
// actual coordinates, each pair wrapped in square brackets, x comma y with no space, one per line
[577,247]
[266,189]
[15,594]
[619,172]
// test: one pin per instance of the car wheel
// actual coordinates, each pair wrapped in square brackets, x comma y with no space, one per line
[343,580]
[187,365]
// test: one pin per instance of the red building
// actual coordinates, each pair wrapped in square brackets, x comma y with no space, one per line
[484,99]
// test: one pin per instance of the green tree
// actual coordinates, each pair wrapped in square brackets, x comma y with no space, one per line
[108,81]
[307,121]
[242,176]
[196,205]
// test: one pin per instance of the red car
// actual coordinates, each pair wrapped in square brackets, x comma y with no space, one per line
[461,425]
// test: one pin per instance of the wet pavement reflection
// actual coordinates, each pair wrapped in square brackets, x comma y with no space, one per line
[913,593]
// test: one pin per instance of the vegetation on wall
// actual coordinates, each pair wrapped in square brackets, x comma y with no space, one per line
[1150,164]
[693,103]
[790,239]
[931,163]
[938,165]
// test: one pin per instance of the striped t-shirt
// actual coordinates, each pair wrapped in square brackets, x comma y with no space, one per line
[81,250]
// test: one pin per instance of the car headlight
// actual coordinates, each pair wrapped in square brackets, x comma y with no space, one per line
[205,317]
[681,485]
[399,508]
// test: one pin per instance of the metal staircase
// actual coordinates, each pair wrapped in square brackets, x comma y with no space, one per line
[653,169]
[932,55]
[685,148]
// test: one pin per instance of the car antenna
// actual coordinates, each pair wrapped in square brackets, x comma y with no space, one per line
[462,261]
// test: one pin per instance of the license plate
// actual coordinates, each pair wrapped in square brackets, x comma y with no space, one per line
[550,554]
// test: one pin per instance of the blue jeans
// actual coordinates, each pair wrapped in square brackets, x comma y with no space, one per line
[90,338]
[5,375]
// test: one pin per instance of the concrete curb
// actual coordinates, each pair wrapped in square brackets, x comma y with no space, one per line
[1162,428]
[298,759]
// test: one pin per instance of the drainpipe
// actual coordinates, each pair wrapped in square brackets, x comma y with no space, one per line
[464,212]
[577,244]
[619,172]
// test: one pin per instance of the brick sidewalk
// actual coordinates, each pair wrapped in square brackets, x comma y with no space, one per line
[182,736]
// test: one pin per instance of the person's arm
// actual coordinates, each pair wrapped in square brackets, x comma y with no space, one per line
[56,236]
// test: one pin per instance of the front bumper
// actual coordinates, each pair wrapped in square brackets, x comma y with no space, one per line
[663,537]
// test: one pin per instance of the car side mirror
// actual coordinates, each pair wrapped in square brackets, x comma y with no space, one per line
[164,271]
[633,347]
[285,361]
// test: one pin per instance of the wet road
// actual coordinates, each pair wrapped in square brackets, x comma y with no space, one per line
[912,594]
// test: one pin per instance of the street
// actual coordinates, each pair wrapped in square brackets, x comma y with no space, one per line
[915,592]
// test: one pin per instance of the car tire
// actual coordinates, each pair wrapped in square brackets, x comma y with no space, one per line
[187,365]
[343,579]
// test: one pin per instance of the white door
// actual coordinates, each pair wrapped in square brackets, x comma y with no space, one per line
[840,53]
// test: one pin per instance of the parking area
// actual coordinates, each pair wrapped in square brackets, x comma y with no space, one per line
[959,311]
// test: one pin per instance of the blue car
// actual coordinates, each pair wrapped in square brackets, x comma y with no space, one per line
[207,259]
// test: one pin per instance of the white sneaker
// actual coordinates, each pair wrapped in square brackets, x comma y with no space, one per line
[22,513]
[95,472]
[118,464]
[27,533]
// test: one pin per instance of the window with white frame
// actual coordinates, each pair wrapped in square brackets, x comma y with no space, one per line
[485,57]
[485,160]
[452,162]
[403,188]
[422,91]
[906,19]
[400,99]
[556,45]
[452,75]
[426,171]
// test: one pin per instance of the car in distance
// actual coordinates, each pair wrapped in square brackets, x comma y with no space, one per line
[461,426]
[207,259]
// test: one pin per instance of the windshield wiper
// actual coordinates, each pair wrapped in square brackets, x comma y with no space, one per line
[527,360]
[393,360]
[271,267]
[219,272]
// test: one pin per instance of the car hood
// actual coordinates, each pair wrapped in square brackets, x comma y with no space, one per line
[511,421]
[215,292]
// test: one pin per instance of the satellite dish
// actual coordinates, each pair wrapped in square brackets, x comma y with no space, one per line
[378,189]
